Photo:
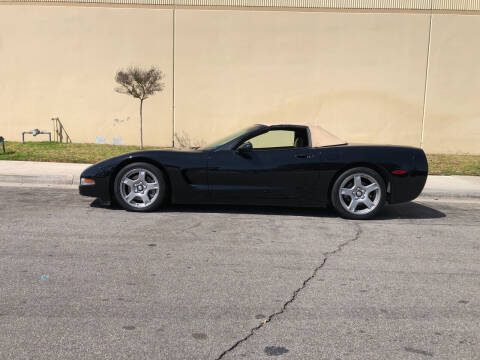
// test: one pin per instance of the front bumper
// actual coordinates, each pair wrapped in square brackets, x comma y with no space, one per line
[101,189]
[88,190]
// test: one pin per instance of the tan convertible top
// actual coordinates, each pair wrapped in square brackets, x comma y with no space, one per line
[319,136]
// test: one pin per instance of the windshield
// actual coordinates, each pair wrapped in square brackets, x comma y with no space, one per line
[229,138]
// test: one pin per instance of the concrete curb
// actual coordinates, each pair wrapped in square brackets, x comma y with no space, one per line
[459,187]
[72,181]
[66,174]
[46,173]
[46,179]
[452,194]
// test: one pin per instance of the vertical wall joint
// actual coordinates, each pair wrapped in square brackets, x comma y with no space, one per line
[427,70]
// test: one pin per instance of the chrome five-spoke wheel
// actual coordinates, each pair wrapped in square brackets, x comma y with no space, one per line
[140,187]
[358,193]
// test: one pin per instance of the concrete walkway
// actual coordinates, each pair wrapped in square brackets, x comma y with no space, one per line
[452,186]
[68,175]
[47,173]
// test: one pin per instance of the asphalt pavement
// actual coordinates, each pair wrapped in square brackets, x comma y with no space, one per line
[80,280]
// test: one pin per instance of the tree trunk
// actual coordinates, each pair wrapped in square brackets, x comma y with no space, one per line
[141,125]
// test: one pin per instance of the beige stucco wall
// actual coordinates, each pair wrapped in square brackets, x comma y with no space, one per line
[61,61]
[452,122]
[361,75]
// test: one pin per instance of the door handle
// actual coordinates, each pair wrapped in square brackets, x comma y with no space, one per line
[304,156]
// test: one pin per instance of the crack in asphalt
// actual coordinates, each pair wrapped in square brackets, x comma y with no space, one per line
[326,255]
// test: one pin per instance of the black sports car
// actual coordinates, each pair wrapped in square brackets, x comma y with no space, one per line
[264,165]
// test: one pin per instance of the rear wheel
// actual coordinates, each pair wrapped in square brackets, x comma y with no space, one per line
[140,187]
[358,193]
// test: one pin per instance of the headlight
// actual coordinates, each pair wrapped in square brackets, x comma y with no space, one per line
[87,181]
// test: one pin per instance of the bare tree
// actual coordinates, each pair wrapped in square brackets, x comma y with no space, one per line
[140,84]
[184,141]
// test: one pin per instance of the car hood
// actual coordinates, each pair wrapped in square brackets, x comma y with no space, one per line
[104,167]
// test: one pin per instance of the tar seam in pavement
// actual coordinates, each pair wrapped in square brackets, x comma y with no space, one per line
[295,293]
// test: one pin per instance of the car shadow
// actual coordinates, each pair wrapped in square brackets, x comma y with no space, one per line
[410,210]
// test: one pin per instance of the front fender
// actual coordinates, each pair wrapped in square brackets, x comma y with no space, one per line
[102,172]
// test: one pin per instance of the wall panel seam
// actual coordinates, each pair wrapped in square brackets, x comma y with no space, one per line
[425,89]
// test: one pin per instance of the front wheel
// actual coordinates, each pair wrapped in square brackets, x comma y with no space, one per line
[140,187]
[358,193]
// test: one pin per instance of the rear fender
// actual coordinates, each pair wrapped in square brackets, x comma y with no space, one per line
[378,168]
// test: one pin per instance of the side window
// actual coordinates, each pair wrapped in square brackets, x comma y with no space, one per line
[274,139]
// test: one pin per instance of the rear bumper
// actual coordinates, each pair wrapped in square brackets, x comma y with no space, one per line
[407,189]
[409,186]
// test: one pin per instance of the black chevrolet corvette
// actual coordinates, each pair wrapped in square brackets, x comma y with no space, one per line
[288,165]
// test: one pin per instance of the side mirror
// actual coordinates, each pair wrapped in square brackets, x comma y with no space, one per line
[245,148]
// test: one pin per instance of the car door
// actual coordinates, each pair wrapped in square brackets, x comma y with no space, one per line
[234,177]
[294,175]
[274,171]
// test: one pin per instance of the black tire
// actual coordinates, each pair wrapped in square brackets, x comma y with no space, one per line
[152,175]
[361,209]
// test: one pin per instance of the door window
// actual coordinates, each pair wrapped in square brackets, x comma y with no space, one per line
[279,139]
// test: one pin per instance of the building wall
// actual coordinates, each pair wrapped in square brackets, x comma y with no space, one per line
[452,122]
[61,61]
[361,76]
[367,76]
